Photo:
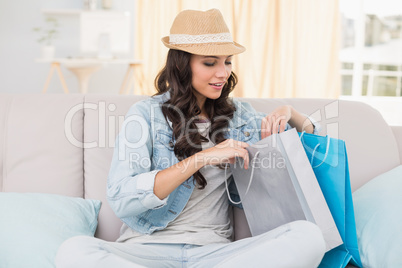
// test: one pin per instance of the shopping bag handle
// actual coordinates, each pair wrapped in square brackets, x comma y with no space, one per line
[315,150]
[249,183]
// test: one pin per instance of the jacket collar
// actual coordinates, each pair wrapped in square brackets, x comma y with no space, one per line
[239,116]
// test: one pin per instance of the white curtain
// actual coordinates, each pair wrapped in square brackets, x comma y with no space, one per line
[292,45]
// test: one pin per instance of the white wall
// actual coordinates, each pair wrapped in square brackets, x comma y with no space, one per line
[19,73]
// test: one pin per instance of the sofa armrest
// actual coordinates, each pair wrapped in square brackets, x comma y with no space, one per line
[398,137]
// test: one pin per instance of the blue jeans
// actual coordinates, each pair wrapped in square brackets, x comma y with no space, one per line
[297,244]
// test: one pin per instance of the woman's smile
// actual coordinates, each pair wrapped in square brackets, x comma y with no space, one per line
[217,86]
[209,75]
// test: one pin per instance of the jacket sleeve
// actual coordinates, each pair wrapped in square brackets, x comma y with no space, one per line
[130,181]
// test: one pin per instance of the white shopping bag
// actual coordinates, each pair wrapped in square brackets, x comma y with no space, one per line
[280,187]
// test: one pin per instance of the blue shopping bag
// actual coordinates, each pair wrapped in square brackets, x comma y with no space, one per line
[329,161]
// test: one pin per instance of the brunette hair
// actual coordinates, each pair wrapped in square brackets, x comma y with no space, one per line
[182,108]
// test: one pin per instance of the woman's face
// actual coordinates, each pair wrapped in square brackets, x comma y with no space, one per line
[210,74]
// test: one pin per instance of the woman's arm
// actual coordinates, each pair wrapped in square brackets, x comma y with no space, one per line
[300,121]
[277,120]
[225,152]
[170,178]
[130,182]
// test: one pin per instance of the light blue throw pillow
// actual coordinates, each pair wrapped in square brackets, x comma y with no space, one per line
[33,226]
[378,212]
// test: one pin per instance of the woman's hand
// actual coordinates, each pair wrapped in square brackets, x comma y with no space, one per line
[223,153]
[276,120]
[170,178]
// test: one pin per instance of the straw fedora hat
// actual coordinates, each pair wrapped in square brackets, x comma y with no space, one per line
[201,33]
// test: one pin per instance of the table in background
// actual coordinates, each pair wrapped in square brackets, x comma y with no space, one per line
[83,68]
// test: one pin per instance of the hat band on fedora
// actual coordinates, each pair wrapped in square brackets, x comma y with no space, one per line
[184,39]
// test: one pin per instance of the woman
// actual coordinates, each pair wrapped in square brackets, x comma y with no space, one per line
[167,177]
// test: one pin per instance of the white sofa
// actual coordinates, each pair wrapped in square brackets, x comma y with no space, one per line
[63,144]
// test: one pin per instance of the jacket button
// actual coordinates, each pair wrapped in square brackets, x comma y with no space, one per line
[246,133]
[171,144]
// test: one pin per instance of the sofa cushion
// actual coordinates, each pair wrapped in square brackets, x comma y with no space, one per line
[34,225]
[41,138]
[398,136]
[378,220]
[103,118]
[4,108]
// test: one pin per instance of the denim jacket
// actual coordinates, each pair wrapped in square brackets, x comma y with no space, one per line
[144,147]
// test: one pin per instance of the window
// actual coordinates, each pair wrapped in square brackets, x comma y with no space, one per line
[371,52]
